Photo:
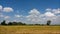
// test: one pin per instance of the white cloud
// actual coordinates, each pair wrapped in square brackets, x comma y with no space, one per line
[15,20]
[7,17]
[7,9]
[49,9]
[56,11]
[34,11]
[18,16]
[1,8]
[34,16]
[56,20]
[1,15]
[37,17]
[49,14]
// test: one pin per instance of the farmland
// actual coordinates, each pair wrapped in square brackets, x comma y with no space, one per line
[29,29]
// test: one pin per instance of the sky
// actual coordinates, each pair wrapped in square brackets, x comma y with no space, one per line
[30,11]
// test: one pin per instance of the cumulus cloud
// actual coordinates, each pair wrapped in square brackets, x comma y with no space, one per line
[34,11]
[18,16]
[56,20]
[48,9]
[7,9]
[56,11]
[1,15]
[7,17]
[1,8]
[36,17]
[49,14]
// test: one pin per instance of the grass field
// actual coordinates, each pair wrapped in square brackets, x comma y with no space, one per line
[29,29]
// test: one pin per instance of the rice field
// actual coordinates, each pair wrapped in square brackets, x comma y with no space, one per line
[29,29]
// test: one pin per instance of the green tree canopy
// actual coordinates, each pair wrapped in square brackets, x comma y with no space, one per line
[48,22]
[3,23]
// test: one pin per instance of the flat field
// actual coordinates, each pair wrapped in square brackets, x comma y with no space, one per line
[29,29]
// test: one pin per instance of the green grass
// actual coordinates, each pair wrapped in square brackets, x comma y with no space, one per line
[29,29]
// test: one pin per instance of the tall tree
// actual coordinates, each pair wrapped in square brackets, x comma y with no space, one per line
[48,22]
[3,23]
[10,23]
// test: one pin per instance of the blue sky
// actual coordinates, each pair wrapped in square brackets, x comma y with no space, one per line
[22,8]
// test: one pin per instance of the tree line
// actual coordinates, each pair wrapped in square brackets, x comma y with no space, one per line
[20,23]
